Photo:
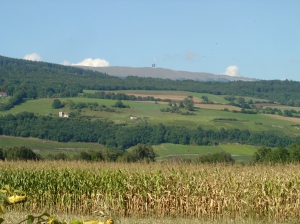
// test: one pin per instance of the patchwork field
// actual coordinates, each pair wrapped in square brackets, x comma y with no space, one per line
[206,115]
[203,117]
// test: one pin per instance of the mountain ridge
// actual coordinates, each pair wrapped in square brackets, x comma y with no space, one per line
[122,71]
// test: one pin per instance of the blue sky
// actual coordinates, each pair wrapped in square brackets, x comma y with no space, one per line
[251,38]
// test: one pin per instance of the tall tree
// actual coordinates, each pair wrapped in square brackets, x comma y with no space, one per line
[144,152]
[56,104]
[188,103]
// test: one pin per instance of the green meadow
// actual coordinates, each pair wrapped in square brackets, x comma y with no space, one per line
[41,144]
[44,147]
[37,106]
[239,152]
[4,99]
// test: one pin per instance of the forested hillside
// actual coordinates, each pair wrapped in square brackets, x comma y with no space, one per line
[40,79]
[121,136]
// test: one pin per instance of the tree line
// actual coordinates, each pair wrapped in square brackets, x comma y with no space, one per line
[145,153]
[119,96]
[140,152]
[280,155]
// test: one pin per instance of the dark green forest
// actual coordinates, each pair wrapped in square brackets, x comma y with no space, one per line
[29,79]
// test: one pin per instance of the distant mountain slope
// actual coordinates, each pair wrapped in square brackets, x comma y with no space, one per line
[164,74]
[31,79]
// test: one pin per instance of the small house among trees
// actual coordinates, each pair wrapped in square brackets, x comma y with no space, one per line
[3,94]
[63,114]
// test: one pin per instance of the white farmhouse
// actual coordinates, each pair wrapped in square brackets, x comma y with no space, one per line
[63,114]
[3,94]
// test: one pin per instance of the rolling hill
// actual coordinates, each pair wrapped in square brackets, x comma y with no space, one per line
[164,73]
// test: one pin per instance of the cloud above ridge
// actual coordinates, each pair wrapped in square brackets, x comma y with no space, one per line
[33,57]
[97,62]
[232,70]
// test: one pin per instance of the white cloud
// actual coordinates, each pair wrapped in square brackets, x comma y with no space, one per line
[93,62]
[65,62]
[232,70]
[33,57]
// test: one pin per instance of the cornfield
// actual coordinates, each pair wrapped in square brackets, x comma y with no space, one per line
[157,190]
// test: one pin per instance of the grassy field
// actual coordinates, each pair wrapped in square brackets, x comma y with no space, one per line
[239,152]
[38,106]
[4,99]
[44,147]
